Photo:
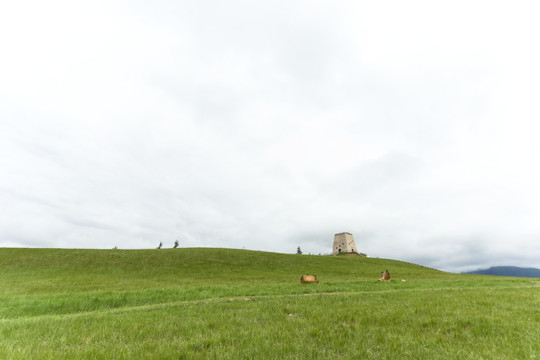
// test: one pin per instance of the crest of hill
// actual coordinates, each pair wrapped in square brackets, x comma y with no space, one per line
[120,269]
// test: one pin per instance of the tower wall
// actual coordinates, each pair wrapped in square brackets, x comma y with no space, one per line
[343,242]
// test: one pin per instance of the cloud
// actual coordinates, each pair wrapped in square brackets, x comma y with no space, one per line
[271,126]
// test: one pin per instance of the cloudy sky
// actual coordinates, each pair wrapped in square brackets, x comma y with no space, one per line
[268,125]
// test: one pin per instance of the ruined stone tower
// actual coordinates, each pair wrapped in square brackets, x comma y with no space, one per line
[343,242]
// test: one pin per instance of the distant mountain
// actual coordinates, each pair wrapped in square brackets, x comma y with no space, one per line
[508,271]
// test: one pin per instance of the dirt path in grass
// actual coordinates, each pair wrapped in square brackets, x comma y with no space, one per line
[244,298]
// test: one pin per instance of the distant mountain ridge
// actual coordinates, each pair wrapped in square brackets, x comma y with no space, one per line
[507,271]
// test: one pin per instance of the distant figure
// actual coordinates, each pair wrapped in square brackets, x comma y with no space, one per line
[308,279]
[385,276]
[176,244]
[160,245]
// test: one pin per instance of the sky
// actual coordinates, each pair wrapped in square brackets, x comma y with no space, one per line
[268,125]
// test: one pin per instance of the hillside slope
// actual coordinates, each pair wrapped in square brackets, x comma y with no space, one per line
[234,304]
[37,281]
[86,269]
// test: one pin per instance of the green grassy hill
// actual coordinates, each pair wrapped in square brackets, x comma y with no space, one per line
[205,303]
[125,269]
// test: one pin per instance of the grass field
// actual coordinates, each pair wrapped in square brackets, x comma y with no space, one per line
[237,304]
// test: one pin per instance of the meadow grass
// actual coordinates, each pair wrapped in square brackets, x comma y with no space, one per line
[235,304]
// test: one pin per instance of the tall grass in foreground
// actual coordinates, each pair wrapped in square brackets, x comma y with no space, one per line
[229,304]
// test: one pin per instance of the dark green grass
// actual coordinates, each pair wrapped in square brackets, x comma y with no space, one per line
[234,304]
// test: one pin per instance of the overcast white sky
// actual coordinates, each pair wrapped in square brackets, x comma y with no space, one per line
[268,125]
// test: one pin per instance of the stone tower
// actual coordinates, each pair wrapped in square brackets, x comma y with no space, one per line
[343,242]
